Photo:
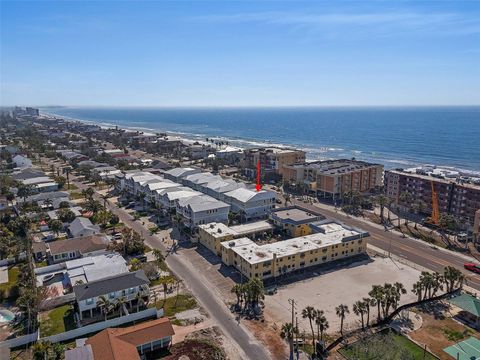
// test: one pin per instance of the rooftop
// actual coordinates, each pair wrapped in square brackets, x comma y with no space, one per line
[93,268]
[338,166]
[217,230]
[244,195]
[467,303]
[296,215]
[121,343]
[202,203]
[445,176]
[465,350]
[83,244]
[252,227]
[254,253]
[110,284]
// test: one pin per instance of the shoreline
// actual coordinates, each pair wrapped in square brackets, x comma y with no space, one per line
[312,153]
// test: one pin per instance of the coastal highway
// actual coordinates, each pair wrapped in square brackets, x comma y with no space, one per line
[415,251]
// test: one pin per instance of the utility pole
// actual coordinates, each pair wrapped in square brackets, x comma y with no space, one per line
[293,303]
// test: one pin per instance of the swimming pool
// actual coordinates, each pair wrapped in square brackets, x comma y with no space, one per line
[6,316]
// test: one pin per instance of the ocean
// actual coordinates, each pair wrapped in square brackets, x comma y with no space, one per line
[394,136]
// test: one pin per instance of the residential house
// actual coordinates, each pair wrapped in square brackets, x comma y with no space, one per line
[128,343]
[251,204]
[69,249]
[126,286]
[21,161]
[82,227]
[177,174]
[202,209]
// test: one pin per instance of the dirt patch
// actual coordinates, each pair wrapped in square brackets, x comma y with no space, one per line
[205,344]
[435,333]
[268,336]
[345,285]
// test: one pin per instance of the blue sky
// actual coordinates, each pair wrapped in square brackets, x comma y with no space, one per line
[240,53]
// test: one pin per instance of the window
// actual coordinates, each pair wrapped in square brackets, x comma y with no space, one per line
[89,301]
[111,295]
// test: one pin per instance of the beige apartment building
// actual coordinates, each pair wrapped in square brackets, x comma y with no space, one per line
[213,234]
[333,178]
[334,241]
[272,161]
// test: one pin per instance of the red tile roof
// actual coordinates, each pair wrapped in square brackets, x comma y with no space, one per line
[121,343]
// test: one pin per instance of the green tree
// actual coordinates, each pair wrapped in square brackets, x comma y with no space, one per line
[288,332]
[56,226]
[309,313]
[341,311]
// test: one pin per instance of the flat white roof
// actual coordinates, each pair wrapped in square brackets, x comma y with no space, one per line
[253,227]
[217,229]
[254,253]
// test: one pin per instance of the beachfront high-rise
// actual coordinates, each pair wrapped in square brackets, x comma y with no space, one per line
[333,178]
[457,195]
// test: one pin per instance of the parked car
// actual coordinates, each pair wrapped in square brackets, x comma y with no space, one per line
[472,267]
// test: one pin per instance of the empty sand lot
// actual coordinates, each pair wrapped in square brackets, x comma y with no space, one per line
[344,285]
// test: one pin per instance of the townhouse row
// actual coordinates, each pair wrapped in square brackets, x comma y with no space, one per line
[198,197]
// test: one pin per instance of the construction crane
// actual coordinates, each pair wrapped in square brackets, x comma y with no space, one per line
[435,218]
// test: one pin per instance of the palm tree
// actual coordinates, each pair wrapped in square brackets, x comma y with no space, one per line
[238,291]
[309,313]
[453,278]
[341,310]
[417,289]
[67,172]
[25,191]
[406,198]
[288,332]
[382,200]
[103,303]
[321,322]
[93,205]
[377,295]
[88,193]
[158,256]
[368,303]
[359,309]
[121,301]
[139,300]
[47,203]
[56,226]
[105,199]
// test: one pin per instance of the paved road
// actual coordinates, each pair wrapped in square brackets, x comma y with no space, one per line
[199,286]
[412,250]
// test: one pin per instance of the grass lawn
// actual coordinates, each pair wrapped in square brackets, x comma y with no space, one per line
[71,187]
[41,264]
[76,195]
[439,333]
[176,304]
[386,344]
[57,321]
[170,279]
[6,289]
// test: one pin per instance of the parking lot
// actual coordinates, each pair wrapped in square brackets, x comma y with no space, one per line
[344,285]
